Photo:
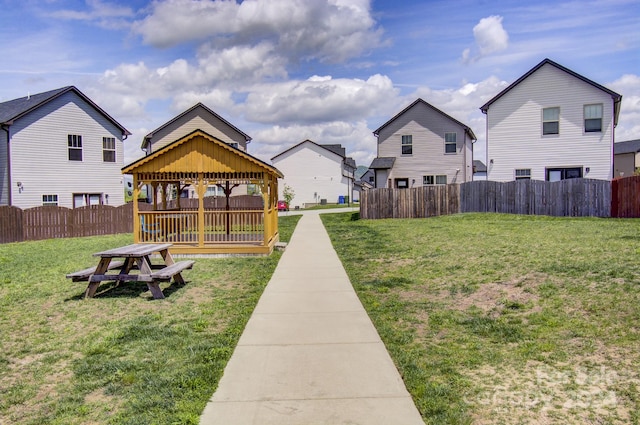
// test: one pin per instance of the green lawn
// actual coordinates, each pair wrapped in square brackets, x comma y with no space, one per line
[121,357]
[504,319]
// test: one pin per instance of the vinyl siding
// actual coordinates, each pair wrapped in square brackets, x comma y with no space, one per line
[39,154]
[624,165]
[313,172]
[427,128]
[197,119]
[514,128]
[4,171]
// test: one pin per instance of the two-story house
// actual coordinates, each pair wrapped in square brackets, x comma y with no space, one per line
[316,173]
[198,117]
[423,146]
[59,148]
[551,124]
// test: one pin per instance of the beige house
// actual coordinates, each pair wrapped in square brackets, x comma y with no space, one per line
[626,158]
[198,117]
[422,146]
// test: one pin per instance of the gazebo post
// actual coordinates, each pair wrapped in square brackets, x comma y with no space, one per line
[202,189]
[136,210]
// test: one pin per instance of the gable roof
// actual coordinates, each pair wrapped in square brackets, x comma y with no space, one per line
[18,108]
[629,146]
[479,167]
[145,139]
[467,129]
[215,157]
[335,149]
[617,98]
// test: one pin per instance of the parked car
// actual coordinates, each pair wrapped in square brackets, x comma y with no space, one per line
[283,206]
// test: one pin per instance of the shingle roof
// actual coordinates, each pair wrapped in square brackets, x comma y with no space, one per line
[629,146]
[617,98]
[382,163]
[479,167]
[350,162]
[17,108]
[467,129]
[335,149]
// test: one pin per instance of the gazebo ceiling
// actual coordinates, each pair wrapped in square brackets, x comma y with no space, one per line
[199,152]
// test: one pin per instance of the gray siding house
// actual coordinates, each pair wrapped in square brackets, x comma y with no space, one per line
[59,148]
[551,124]
[626,158]
[423,146]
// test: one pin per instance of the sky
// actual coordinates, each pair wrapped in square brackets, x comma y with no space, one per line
[331,71]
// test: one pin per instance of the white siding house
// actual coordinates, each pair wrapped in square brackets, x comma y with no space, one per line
[316,173]
[551,124]
[423,146]
[59,148]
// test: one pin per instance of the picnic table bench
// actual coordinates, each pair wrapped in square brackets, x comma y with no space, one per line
[135,257]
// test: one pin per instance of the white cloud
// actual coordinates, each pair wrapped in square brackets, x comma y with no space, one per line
[104,14]
[629,121]
[490,37]
[330,31]
[319,99]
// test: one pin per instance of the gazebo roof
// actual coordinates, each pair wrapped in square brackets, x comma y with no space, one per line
[200,152]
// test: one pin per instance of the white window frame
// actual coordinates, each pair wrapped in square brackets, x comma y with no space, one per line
[590,114]
[74,144]
[550,120]
[448,143]
[108,149]
[49,200]
[406,142]
[434,180]
[522,174]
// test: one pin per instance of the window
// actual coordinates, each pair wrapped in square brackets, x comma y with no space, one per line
[592,118]
[108,149]
[557,174]
[402,183]
[407,145]
[74,142]
[84,199]
[234,145]
[523,173]
[431,180]
[371,179]
[551,121]
[50,200]
[450,142]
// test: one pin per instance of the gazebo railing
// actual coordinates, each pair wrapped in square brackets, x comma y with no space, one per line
[235,226]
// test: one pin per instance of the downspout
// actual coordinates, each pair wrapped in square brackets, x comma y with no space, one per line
[5,127]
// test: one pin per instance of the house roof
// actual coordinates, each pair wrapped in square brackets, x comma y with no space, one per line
[617,98]
[467,129]
[382,163]
[216,156]
[629,146]
[146,138]
[479,167]
[350,162]
[335,149]
[18,108]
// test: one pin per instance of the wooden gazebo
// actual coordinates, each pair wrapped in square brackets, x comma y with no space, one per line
[206,225]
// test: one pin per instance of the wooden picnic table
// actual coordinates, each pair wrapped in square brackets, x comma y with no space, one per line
[134,257]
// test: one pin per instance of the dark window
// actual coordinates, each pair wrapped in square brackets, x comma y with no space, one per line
[428,180]
[442,179]
[551,121]
[557,174]
[450,142]
[74,143]
[108,149]
[49,200]
[592,118]
[407,145]
[402,183]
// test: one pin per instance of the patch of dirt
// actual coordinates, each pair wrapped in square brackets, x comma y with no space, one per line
[543,394]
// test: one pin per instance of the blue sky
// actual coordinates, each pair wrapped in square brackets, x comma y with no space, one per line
[331,71]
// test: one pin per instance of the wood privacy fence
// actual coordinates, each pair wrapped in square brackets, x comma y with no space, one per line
[625,197]
[573,198]
[18,225]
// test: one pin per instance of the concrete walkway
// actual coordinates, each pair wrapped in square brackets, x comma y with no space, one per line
[310,354]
